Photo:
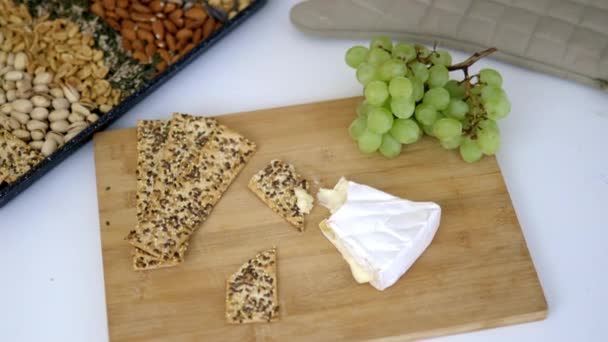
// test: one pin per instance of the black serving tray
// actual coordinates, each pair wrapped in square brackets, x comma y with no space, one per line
[10,191]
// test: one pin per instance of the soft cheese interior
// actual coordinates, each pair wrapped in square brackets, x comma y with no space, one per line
[379,235]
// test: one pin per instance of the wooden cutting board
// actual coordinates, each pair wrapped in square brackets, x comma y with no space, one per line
[476,274]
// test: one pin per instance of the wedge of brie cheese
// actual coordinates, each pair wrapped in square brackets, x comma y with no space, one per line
[379,235]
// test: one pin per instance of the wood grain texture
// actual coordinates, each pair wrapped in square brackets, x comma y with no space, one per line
[476,274]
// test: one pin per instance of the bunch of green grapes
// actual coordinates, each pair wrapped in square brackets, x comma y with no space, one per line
[408,93]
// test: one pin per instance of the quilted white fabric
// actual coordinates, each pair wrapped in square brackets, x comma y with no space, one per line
[567,38]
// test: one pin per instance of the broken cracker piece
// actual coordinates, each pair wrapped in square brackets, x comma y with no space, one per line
[284,191]
[252,292]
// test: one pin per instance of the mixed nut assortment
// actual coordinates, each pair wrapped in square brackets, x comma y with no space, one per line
[168,29]
[63,63]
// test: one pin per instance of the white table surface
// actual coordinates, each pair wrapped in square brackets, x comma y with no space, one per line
[554,159]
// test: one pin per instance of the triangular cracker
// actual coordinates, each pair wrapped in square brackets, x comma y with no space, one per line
[276,185]
[252,292]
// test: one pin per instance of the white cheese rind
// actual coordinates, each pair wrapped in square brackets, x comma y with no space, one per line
[382,234]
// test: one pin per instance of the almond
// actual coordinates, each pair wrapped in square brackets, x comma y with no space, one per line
[180,46]
[145,35]
[128,34]
[177,14]
[159,30]
[109,4]
[112,14]
[179,22]
[161,66]
[183,34]
[138,45]
[161,44]
[208,27]
[122,3]
[113,23]
[140,56]
[157,6]
[197,35]
[140,8]
[218,24]
[144,26]
[169,25]
[193,24]
[169,7]
[97,8]
[196,13]
[126,45]
[170,41]
[122,13]
[138,16]
[164,55]
[150,50]
[188,48]
[127,24]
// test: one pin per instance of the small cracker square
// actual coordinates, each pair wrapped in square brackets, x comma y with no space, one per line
[281,188]
[252,294]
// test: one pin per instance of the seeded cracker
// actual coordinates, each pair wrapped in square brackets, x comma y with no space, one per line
[182,210]
[186,136]
[16,157]
[276,186]
[151,139]
[252,292]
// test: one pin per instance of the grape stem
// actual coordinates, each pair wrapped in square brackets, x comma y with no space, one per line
[464,65]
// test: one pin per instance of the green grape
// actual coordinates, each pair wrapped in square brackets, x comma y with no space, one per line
[455,89]
[366,73]
[390,148]
[355,56]
[470,150]
[497,108]
[377,56]
[382,42]
[369,142]
[425,114]
[363,109]
[422,51]
[491,93]
[490,77]
[428,130]
[400,87]
[376,92]
[418,89]
[476,90]
[447,128]
[438,76]
[403,107]
[451,143]
[391,68]
[356,128]
[488,137]
[457,109]
[439,98]
[420,71]
[406,131]
[404,52]
[441,57]
[379,120]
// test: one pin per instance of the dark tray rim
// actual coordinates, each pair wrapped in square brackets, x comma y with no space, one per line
[10,191]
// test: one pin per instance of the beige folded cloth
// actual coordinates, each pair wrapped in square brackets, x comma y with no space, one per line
[566,38]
